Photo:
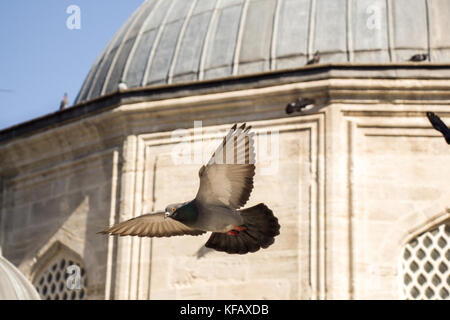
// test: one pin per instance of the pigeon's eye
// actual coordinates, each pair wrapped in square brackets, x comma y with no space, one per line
[173,209]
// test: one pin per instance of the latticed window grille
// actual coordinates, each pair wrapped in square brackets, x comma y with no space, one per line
[53,283]
[426,265]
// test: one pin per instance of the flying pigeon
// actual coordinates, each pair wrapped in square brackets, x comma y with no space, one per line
[419,57]
[225,187]
[64,102]
[439,125]
[315,59]
[299,105]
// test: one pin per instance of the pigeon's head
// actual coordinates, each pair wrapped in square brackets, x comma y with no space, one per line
[171,210]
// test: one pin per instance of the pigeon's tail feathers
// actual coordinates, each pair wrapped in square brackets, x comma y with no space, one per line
[261,228]
[261,224]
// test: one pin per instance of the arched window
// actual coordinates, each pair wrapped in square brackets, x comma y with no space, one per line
[425,266]
[62,277]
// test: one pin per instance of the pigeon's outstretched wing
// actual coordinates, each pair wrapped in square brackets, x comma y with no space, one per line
[439,125]
[227,179]
[151,225]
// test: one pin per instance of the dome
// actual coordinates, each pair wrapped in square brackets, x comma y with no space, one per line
[13,284]
[173,41]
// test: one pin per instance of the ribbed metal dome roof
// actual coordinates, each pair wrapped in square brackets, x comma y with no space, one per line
[171,41]
[13,284]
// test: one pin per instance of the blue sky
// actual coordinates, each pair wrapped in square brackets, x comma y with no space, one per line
[41,59]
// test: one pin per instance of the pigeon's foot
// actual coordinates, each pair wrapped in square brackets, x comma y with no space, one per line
[235,231]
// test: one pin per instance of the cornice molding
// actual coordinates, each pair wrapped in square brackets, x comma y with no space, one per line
[137,111]
[428,71]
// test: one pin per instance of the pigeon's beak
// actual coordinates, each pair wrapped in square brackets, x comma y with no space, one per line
[167,214]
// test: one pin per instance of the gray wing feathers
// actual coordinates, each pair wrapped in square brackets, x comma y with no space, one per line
[237,147]
[151,225]
[228,177]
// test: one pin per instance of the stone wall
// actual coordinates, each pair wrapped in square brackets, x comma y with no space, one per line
[58,189]
[386,184]
[356,178]
[181,268]
[68,204]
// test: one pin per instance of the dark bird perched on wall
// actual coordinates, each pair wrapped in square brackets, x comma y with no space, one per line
[299,105]
[419,57]
[439,125]
[64,102]
[225,187]
[315,59]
